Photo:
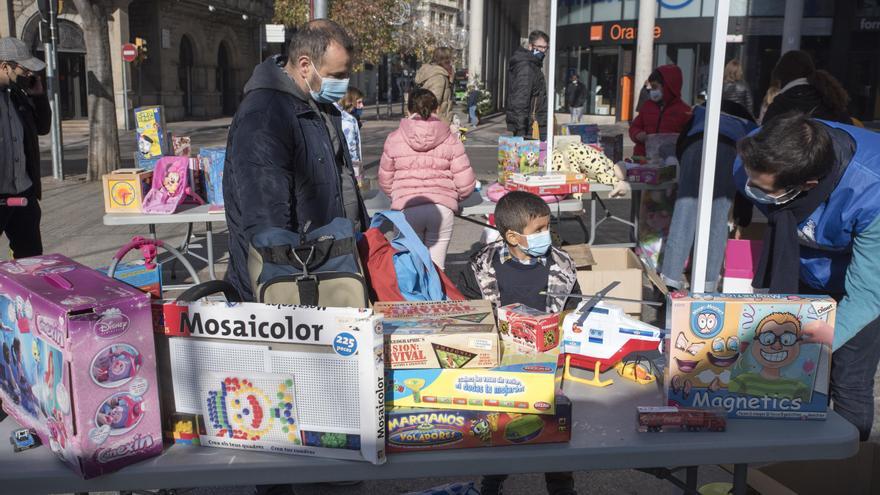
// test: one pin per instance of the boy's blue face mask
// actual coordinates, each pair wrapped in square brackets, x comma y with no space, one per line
[332,89]
[539,244]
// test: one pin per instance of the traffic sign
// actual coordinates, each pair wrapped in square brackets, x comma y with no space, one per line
[129,52]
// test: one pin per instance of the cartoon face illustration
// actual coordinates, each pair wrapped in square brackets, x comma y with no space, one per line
[724,352]
[145,144]
[777,341]
[171,182]
[480,429]
[707,320]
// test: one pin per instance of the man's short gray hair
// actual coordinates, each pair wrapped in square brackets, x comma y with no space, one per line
[313,39]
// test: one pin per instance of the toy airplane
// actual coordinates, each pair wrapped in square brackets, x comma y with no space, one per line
[597,336]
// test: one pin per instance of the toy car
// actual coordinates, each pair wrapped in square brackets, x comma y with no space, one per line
[24,439]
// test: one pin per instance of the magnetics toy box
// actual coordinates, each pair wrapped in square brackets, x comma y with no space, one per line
[78,363]
[527,328]
[522,383]
[413,430]
[449,334]
[764,356]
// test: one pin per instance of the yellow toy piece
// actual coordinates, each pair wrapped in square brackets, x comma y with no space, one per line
[593,382]
[635,371]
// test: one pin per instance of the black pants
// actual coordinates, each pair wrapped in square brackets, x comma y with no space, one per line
[21,224]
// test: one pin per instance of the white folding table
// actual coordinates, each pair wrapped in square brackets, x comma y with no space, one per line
[188,215]
[604,437]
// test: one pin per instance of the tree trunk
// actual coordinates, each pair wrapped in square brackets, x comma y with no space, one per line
[103,134]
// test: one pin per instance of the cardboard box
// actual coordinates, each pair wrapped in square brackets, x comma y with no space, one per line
[136,274]
[549,179]
[522,383]
[750,355]
[125,189]
[453,334]
[527,328]
[614,264]
[415,430]
[150,134]
[452,346]
[859,474]
[78,363]
[581,255]
[212,161]
[285,379]
[557,190]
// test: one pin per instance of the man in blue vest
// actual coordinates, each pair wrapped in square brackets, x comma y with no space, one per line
[818,183]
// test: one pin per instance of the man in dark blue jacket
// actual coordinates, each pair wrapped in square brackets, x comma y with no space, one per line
[287,162]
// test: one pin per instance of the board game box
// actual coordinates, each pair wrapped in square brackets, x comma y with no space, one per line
[764,356]
[152,140]
[521,383]
[414,430]
[449,334]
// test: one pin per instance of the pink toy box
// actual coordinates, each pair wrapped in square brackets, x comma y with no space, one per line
[78,363]
[740,260]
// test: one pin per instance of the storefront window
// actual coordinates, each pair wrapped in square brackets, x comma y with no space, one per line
[580,12]
[566,8]
[606,10]
[679,8]
[738,8]
[868,8]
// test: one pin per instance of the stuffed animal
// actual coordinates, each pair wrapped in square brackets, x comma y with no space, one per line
[584,159]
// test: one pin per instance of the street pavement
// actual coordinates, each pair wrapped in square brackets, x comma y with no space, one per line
[72,225]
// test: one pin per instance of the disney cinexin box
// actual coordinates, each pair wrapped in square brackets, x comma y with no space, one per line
[755,356]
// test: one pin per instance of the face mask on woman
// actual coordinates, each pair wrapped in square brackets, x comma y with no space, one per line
[656,95]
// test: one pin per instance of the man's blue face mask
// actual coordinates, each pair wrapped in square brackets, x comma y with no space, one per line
[331,91]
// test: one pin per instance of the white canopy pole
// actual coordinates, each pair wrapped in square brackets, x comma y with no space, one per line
[551,82]
[710,145]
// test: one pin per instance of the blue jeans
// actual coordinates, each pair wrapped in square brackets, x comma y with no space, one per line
[684,218]
[472,115]
[576,114]
[852,378]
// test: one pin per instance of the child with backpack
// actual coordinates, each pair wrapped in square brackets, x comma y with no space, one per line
[516,269]
[425,171]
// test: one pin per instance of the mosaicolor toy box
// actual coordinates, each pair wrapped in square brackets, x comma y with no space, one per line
[78,363]
[288,379]
[764,356]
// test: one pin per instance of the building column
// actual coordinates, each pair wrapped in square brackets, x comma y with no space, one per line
[539,16]
[7,19]
[475,40]
[791,25]
[644,46]
[119,34]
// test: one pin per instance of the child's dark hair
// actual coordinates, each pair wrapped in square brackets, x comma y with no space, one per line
[516,209]
[423,102]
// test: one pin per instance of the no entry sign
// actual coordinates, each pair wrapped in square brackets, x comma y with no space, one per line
[129,52]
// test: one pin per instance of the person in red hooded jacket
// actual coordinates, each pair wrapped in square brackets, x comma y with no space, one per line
[664,112]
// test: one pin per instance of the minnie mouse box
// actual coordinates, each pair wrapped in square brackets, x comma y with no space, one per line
[753,355]
[78,363]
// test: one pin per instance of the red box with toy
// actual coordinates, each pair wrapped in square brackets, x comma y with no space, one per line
[527,328]
[78,363]
[413,430]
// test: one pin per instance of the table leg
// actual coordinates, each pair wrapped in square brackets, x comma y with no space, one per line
[593,200]
[634,214]
[152,227]
[209,241]
[691,477]
[740,479]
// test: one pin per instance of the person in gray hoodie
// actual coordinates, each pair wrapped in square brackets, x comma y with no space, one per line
[287,161]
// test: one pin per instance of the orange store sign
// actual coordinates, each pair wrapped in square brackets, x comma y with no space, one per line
[628,33]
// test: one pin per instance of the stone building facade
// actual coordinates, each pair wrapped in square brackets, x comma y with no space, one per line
[200,52]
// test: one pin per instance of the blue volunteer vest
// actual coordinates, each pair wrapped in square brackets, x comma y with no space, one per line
[851,208]
[730,126]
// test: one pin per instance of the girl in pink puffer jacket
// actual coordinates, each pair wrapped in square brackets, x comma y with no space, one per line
[426,173]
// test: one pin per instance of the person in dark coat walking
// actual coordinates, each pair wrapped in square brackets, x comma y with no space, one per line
[287,161]
[575,98]
[804,89]
[527,93]
[24,116]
